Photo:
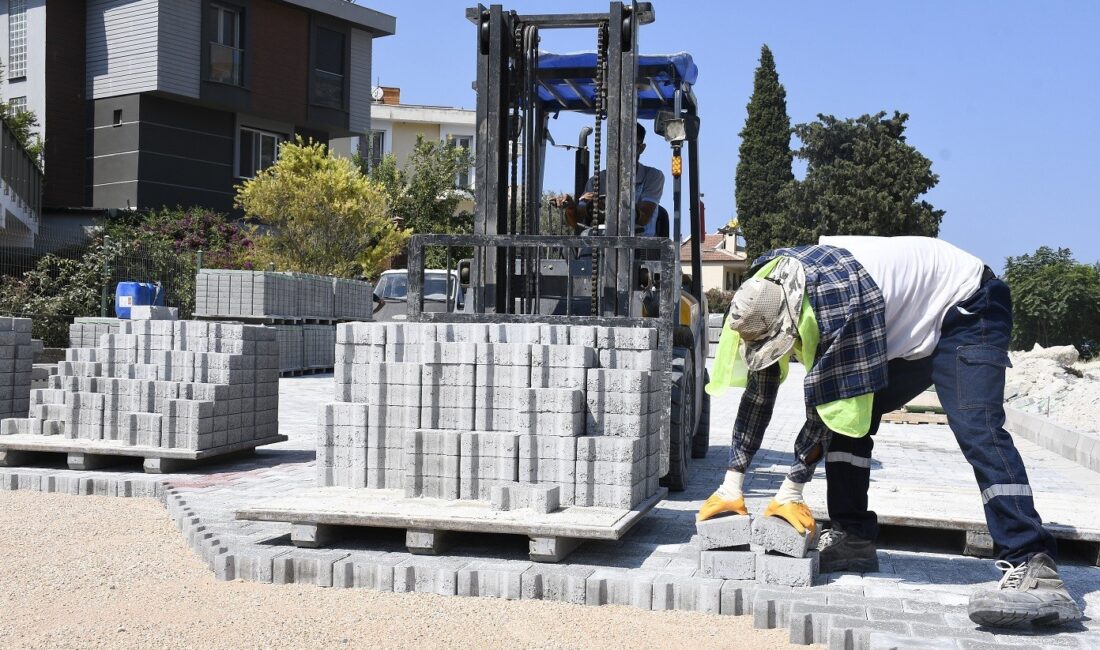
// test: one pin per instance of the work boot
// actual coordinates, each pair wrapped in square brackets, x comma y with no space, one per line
[1031,592]
[843,551]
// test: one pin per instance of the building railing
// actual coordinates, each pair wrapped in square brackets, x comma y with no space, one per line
[226,64]
[20,172]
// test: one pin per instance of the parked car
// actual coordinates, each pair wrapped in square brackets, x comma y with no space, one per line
[439,294]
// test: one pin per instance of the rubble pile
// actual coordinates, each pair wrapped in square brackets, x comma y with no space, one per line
[1053,382]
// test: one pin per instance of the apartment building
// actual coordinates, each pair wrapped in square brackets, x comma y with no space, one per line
[396,126]
[145,103]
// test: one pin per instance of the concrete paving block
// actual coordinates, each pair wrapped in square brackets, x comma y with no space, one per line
[808,622]
[366,570]
[737,597]
[551,377]
[551,549]
[437,575]
[562,356]
[730,531]
[492,579]
[788,571]
[568,425]
[620,587]
[728,565]
[565,583]
[847,633]
[503,376]
[304,567]
[776,535]
[549,400]
[257,564]
[891,641]
[690,594]
[630,359]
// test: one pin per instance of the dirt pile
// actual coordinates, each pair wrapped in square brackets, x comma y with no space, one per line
[1054,383]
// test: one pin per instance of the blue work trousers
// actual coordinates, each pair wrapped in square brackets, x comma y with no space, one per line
[968,370]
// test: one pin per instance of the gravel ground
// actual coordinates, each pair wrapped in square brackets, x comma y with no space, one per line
[101,572]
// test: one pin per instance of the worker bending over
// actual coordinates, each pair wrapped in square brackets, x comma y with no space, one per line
[876,321]
[649,184]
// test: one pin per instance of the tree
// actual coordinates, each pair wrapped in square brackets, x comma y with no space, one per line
[1056,300]
[764,167]
[320,213]
[862,178]
[23,124]
[423,196]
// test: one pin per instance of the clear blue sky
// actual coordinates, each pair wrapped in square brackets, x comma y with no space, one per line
[1003,97]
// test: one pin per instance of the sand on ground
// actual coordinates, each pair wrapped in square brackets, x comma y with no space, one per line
[102,572]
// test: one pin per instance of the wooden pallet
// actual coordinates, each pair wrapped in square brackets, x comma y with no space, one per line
[21,449]
[905,417]
[433,525]
[305,371]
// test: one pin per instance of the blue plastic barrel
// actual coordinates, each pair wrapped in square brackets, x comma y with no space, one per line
[130,294]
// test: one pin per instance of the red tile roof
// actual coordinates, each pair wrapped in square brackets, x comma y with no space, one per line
[713,250]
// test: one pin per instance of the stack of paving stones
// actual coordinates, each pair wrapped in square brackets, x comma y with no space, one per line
[275,298]
[169,384]
[765,549]
[520,416]
[16,366]
[714,332]
[318,346]
[85,332]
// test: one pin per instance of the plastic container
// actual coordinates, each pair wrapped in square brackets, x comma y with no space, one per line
[129,294]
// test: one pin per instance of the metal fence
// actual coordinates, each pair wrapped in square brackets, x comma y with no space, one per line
[71,274]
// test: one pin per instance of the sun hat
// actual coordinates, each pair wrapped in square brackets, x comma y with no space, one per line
[765,312]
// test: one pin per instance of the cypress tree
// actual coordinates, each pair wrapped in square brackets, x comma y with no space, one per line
[764,168]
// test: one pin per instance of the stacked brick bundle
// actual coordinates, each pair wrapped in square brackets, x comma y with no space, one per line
[318,346]
[267,294]
[167,384]
[85,332]
[714,332]
[765,549]
[16,366]
[516,415]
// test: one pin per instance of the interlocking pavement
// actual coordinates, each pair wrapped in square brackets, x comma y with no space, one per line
[916,600]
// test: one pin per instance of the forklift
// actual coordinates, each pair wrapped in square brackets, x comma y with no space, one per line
[602,273]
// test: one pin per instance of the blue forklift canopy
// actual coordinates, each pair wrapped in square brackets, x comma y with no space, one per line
[567,82]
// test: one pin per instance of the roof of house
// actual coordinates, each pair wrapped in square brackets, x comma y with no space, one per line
[713,250]
[376,22]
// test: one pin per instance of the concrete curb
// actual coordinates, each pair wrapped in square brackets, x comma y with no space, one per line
[1081,448]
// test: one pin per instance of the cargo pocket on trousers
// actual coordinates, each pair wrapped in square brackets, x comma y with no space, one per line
[981,376]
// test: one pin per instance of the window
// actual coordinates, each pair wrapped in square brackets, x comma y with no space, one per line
[17,39]
[226,46]
[462,179]
[376,149]
[18,105]
[328,68]
[116,119]
[257,150]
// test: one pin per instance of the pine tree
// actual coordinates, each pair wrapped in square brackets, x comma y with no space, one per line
[764,168]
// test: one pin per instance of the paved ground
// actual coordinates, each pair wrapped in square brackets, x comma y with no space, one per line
[916,600]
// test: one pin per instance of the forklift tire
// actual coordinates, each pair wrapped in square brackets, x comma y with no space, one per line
[680,420]
[700,442]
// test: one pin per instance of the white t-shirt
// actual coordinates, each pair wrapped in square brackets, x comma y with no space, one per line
[649,185]
[920,279]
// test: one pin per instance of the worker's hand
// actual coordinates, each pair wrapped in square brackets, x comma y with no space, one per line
[588,197]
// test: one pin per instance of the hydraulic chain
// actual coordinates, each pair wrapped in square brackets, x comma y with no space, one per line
[600,101]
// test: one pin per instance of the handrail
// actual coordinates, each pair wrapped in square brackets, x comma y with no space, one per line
[20,171]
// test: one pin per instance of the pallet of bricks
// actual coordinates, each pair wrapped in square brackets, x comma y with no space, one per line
[16,366]
[167,391]
[85,331]
[524,419]
[302,307]
[714,333]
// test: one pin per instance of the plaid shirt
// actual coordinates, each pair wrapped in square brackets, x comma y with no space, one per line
[850,358]
[851,315]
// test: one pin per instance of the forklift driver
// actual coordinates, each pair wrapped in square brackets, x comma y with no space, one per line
[649,184]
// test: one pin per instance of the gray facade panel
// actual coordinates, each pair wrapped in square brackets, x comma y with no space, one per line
[157,195]
[180,29]
[120,195]
[121,47]
[360,86]
[115,168]
[110,140]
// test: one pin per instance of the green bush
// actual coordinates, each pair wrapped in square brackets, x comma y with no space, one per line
[718,301]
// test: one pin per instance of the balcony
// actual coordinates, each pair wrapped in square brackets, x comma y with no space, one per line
[20,192]
[226,64]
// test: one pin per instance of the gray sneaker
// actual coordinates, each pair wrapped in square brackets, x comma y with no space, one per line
[1031,593]
[843,551]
